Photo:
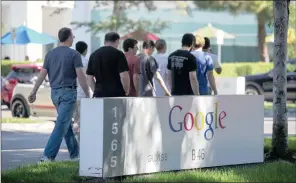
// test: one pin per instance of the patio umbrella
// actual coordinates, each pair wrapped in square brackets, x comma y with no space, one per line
[212,32]
[24,35]
[141,35]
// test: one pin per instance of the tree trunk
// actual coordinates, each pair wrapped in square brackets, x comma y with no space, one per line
[261,38]
[115,14]
[280,124]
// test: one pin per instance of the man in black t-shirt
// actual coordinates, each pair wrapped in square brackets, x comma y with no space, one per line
[108,66]
[182,69]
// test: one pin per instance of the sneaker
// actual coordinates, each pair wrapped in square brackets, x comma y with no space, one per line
[75,159]
[45,159]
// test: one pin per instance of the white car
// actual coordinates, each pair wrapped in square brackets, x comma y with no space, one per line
[43,106]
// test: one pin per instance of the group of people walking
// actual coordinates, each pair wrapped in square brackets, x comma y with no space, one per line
[110,72]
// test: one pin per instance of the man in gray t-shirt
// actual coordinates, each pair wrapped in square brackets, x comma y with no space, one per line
[63,65]
[148,69]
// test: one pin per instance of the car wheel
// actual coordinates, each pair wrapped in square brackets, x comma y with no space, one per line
[19,110]
[250,90]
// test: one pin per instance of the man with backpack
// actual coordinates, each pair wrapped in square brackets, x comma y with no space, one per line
[148,69]
[205,68]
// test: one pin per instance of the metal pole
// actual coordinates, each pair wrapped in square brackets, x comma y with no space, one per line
[219,53]
[13,36]
[220,40]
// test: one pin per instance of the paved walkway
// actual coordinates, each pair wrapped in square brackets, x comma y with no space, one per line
[20,148]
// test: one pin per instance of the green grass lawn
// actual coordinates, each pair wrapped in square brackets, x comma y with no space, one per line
[19,120]
[269,172]
[68,172]
[268,105]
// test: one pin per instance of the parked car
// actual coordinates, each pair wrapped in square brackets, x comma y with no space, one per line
[2,85]
[20,73]
[43,106]
[262,84]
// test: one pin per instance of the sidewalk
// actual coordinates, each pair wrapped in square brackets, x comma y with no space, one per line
[43,127]
[46,127]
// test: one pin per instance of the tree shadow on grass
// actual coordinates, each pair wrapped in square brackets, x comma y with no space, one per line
[45,172]
[290,156]
[268,172]
[278,171]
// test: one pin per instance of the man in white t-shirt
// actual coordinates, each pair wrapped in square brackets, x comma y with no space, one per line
[162,61]
[81,47]
[207,48]
[217,65]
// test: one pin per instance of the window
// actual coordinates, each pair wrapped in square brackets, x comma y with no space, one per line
[23,74]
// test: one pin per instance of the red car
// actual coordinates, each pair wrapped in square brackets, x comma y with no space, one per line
[20,73]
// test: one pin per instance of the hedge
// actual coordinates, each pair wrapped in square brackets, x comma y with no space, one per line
[228,69]
[7,64]
[244,68]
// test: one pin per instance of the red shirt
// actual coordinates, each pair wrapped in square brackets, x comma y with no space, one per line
[134,68]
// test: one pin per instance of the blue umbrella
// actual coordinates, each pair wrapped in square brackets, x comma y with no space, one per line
[25,35]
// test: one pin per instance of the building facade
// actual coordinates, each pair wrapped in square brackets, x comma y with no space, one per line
[40,16]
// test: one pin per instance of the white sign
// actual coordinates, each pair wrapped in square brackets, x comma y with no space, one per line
[231,86]
[220,37]
[127,136]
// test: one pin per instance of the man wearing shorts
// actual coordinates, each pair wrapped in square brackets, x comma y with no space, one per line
[148,69]
[81,47]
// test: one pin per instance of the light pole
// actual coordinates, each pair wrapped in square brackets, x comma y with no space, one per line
[220,41]
[13,37]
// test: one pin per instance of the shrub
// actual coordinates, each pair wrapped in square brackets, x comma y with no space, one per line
[228,69]
[291,67]
[244,68]
[7,64]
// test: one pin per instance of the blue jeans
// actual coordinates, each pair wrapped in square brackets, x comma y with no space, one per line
[64,100]
[203,90]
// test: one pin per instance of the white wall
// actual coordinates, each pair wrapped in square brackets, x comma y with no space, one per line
[20,13]
[5,50]
[52,23]
[63,19]
[82,13]
[34,8]
[35,16]
[14,16]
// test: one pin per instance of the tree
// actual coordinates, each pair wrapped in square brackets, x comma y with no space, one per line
[262,9]
[280,125]
[292,32]
[119,21]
